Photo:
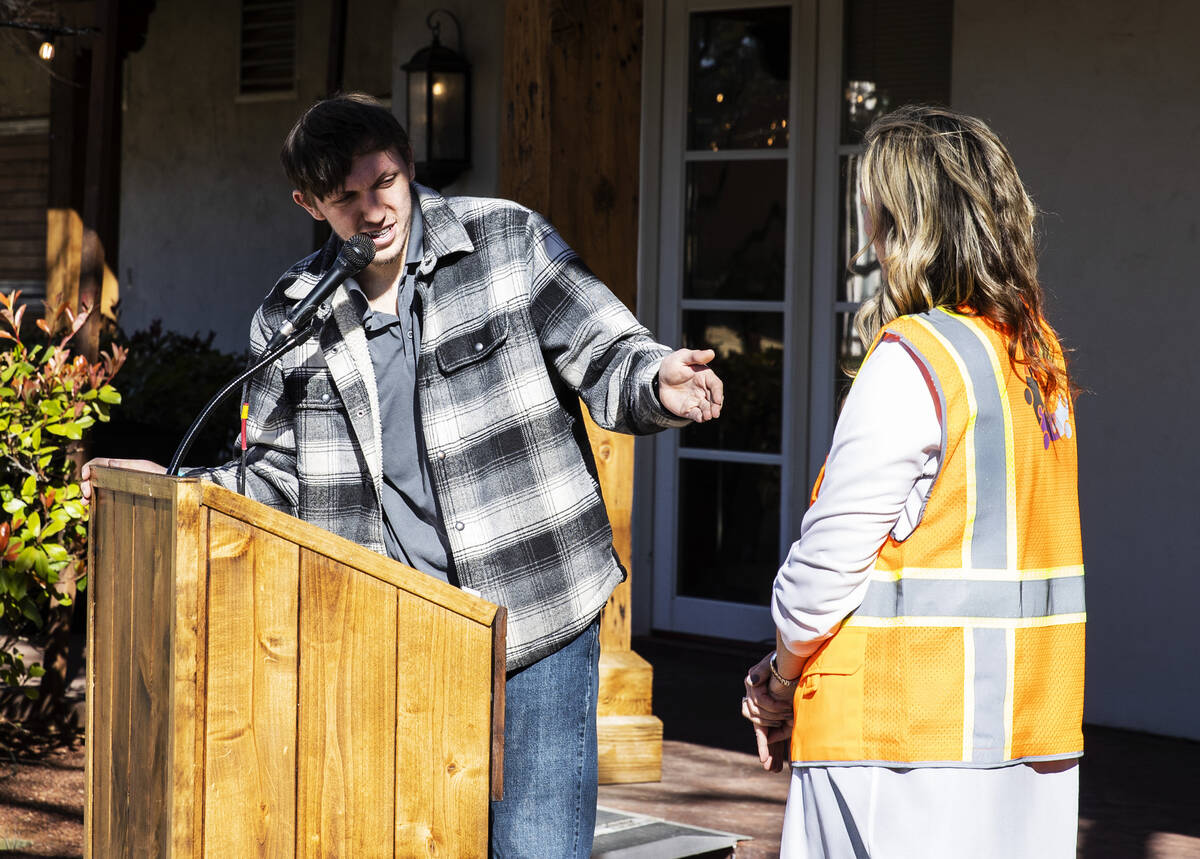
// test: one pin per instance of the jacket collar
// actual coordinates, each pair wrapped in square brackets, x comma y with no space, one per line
[444,236]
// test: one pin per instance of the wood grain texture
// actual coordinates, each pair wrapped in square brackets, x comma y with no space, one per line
[120,682]
[443,733]
[595,68]
[250,748]
[251,696]
[64,247]
[614,466]
[499,688]
[159,679]
[347,710]
[150,654]
[630,749]
[525,164]
[103,548]
[189,629]
[331,545]
[96,519]
[626,681]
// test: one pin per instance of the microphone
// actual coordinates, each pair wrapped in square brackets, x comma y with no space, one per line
[356,254]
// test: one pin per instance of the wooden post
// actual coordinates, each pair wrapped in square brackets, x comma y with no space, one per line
[572,109]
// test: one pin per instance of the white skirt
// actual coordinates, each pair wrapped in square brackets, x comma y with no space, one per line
[867,812]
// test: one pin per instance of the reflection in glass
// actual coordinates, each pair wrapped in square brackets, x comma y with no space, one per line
[850,354]
[861,276]
[863,102]
[749,349]
[728,531]
[739,74]
[417,133]
[449,137]
[449,111]
[734,240]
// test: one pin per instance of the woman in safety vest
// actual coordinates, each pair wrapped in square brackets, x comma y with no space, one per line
[927,683]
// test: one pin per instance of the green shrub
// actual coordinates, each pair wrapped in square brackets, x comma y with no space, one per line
[48,400]
[166,380]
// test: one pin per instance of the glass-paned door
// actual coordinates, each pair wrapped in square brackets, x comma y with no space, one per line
[733,277]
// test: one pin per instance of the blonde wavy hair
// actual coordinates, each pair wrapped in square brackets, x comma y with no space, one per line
[954,227]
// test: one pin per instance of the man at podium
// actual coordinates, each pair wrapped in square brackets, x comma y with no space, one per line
[433,416]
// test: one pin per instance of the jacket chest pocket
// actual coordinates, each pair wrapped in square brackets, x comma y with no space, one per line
[312,392]
[474,346]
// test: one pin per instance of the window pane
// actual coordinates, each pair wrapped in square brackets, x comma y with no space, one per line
[749,349]
[850,353]
[860,278]
[739,72]
[735,243]
[897,52]
[728,531]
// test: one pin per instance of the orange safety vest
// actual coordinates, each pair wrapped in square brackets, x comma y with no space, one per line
[967,649]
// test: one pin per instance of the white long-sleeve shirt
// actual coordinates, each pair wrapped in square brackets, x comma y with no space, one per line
[882,462]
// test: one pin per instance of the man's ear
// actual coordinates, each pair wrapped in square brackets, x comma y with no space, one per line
[302,201]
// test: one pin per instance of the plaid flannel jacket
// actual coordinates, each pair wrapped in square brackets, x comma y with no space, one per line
[515,330]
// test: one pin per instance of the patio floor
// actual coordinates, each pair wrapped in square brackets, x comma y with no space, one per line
[1139,796]
[1138,792]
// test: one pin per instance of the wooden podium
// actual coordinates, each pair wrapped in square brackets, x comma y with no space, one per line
[261,687]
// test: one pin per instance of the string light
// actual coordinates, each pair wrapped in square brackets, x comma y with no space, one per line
[720,97]
[46,50]
[439,88]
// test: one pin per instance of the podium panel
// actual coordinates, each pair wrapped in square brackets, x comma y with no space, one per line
[260,687]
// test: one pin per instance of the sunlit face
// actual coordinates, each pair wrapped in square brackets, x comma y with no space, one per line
[376,199]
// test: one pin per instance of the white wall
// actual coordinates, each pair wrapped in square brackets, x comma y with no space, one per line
[207,221]
[1097,100]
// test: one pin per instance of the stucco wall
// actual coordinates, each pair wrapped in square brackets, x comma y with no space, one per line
[1097,102]
[207,221]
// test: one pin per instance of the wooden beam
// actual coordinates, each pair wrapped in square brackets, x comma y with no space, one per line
[525,161]
[101,170]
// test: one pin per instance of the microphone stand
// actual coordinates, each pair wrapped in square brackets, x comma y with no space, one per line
[189,438]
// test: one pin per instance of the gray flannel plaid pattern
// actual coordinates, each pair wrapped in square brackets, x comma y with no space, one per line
[515,330]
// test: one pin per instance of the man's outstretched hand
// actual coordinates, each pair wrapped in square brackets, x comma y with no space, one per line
[85,473]
[688,388]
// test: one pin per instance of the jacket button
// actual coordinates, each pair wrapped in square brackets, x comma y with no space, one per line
[324,398]
[458,526]
[478,347]
[441,454]
[361,412]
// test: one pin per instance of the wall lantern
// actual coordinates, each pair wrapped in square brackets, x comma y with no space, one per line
[439,108]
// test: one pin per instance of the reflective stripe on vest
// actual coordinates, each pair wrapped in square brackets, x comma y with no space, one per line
[975,590]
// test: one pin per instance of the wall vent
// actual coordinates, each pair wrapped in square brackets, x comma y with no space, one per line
[267,61]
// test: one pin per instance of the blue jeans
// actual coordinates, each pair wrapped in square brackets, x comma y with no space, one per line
[549,805]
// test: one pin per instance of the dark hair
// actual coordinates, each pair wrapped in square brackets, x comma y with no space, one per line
[319,149]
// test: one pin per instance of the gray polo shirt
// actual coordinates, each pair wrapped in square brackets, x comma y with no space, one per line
[412,524]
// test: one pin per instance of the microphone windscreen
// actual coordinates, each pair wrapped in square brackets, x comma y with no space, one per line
[357,253]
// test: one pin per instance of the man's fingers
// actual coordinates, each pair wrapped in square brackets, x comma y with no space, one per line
[698,356]
[716,389]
